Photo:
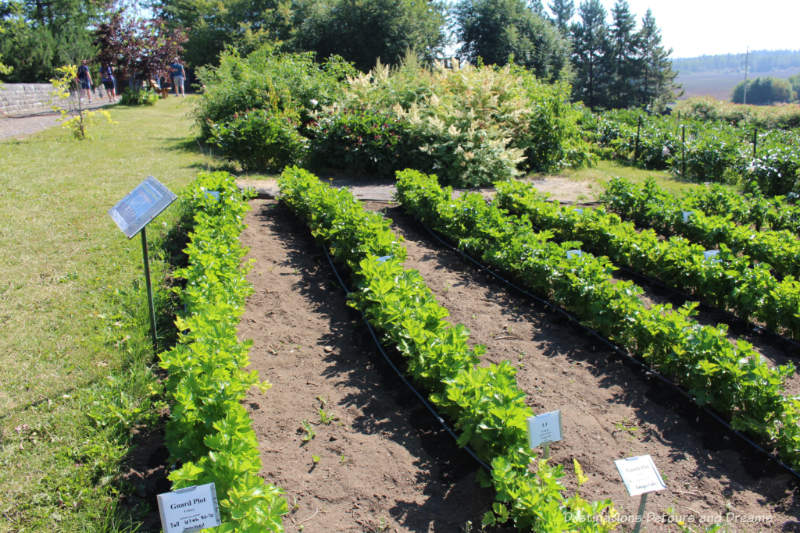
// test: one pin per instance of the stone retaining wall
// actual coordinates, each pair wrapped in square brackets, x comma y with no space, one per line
[24,98]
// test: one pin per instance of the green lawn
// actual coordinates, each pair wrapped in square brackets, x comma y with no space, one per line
[604,170]
[68,274]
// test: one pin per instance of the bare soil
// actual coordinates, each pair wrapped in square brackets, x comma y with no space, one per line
[384,464]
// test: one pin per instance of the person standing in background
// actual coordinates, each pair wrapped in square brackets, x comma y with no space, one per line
[85,79]
[178,74]
[107,77]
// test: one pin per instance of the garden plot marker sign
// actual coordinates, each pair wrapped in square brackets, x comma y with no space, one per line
[132,214]
[189,509]
[641,477]
[544,429]
[141,205]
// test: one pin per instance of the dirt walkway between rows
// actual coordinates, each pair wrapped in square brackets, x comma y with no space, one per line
[609,410]
[380,463]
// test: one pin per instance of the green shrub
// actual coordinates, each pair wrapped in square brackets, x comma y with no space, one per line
[476,125]
[138,97]
[260,140]
[362,141]
[266,79]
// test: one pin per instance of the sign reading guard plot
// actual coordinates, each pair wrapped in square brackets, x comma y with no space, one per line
[640,475]
[141,205]
[544,428]
[189,509]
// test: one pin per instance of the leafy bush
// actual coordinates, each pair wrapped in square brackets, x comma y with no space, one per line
[266,79]
[138,97]
[475,125]
[362,141]
[710,156]
[776,168]
[260,140]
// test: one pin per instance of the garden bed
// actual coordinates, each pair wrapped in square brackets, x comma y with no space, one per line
[384,463]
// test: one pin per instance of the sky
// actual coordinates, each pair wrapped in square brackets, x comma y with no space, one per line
[709,27]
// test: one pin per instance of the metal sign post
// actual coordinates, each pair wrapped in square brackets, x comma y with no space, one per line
[640,476]
[149,289]
[132,214]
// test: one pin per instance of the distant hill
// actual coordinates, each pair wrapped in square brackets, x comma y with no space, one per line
[717,75]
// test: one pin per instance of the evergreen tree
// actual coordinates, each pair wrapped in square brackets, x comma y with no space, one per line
[589,54]
[562,10]
[495,30]
[623,63]
[536,6]
[656,80]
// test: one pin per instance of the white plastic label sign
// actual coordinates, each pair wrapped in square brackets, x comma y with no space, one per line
[544,428]
[686,215]
[574,253]
[189,509]
[711,255]
[640,475]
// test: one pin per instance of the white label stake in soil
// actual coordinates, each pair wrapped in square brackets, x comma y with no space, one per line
[189,509]
[641,477]
[544,429]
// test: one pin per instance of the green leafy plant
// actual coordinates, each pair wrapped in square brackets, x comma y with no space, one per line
[649,206]
[209,431]
[308,431]
[729,281]
[138,97]
[729,377]
[260,139]
[485,403]
[73,115]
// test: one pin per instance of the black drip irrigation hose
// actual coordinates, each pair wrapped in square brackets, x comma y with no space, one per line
[646,370]
[770,335]
[397,371]
[744,324]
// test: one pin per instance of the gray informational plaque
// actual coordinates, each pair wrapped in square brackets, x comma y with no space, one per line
[141,205]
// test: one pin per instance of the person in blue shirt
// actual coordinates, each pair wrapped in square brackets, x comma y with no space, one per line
[107,77]
[85,79]
[178,75]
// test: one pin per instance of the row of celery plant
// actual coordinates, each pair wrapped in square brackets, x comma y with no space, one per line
[485,403]
[209,433]
[731,378]
[647,205]
[760,211]
[727,280]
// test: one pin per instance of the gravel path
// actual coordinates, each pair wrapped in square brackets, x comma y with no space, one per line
[559,188]
[21,127]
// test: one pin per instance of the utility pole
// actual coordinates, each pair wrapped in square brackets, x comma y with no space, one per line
[746,61]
